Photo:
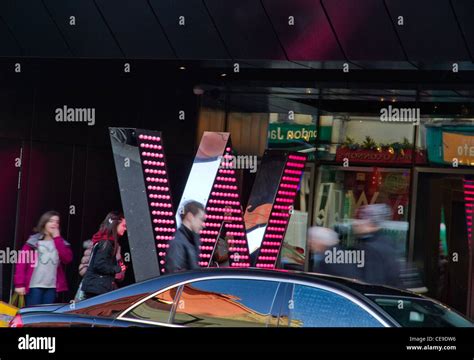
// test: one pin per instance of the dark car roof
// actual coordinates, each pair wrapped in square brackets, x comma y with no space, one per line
[354,287]
[335,281]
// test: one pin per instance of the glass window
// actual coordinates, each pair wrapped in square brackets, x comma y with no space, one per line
[227,303]
[420,313]
[156,309]
[313,307]
[294,132]
[445,140]
[365,138]
[343,190]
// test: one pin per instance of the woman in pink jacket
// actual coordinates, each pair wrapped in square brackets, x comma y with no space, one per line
[42,274]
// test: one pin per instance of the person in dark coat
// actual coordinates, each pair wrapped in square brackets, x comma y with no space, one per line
[381,263]
[323,243]
[103,267]
[88,245]
[320,239]
[183,253]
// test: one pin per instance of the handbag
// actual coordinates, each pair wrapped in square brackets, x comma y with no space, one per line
[18,300]
[80,294]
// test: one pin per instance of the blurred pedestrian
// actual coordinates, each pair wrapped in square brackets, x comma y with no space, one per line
[183,253]
[328,256]
[381,262]
[320,239]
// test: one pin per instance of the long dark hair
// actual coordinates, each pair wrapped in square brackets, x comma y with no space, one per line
[43,220]
[108,227]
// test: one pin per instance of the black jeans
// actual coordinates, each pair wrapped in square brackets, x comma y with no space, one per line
[89,295]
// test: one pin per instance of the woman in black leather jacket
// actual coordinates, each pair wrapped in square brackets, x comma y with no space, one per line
[103,266]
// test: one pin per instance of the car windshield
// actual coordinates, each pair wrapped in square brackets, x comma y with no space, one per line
[420,312]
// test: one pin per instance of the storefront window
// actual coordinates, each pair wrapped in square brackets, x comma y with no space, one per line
[341,191]
[364,139]
[448,141]
[294,132]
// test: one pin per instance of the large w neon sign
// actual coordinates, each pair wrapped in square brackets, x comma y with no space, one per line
[255,237]
[213,182]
